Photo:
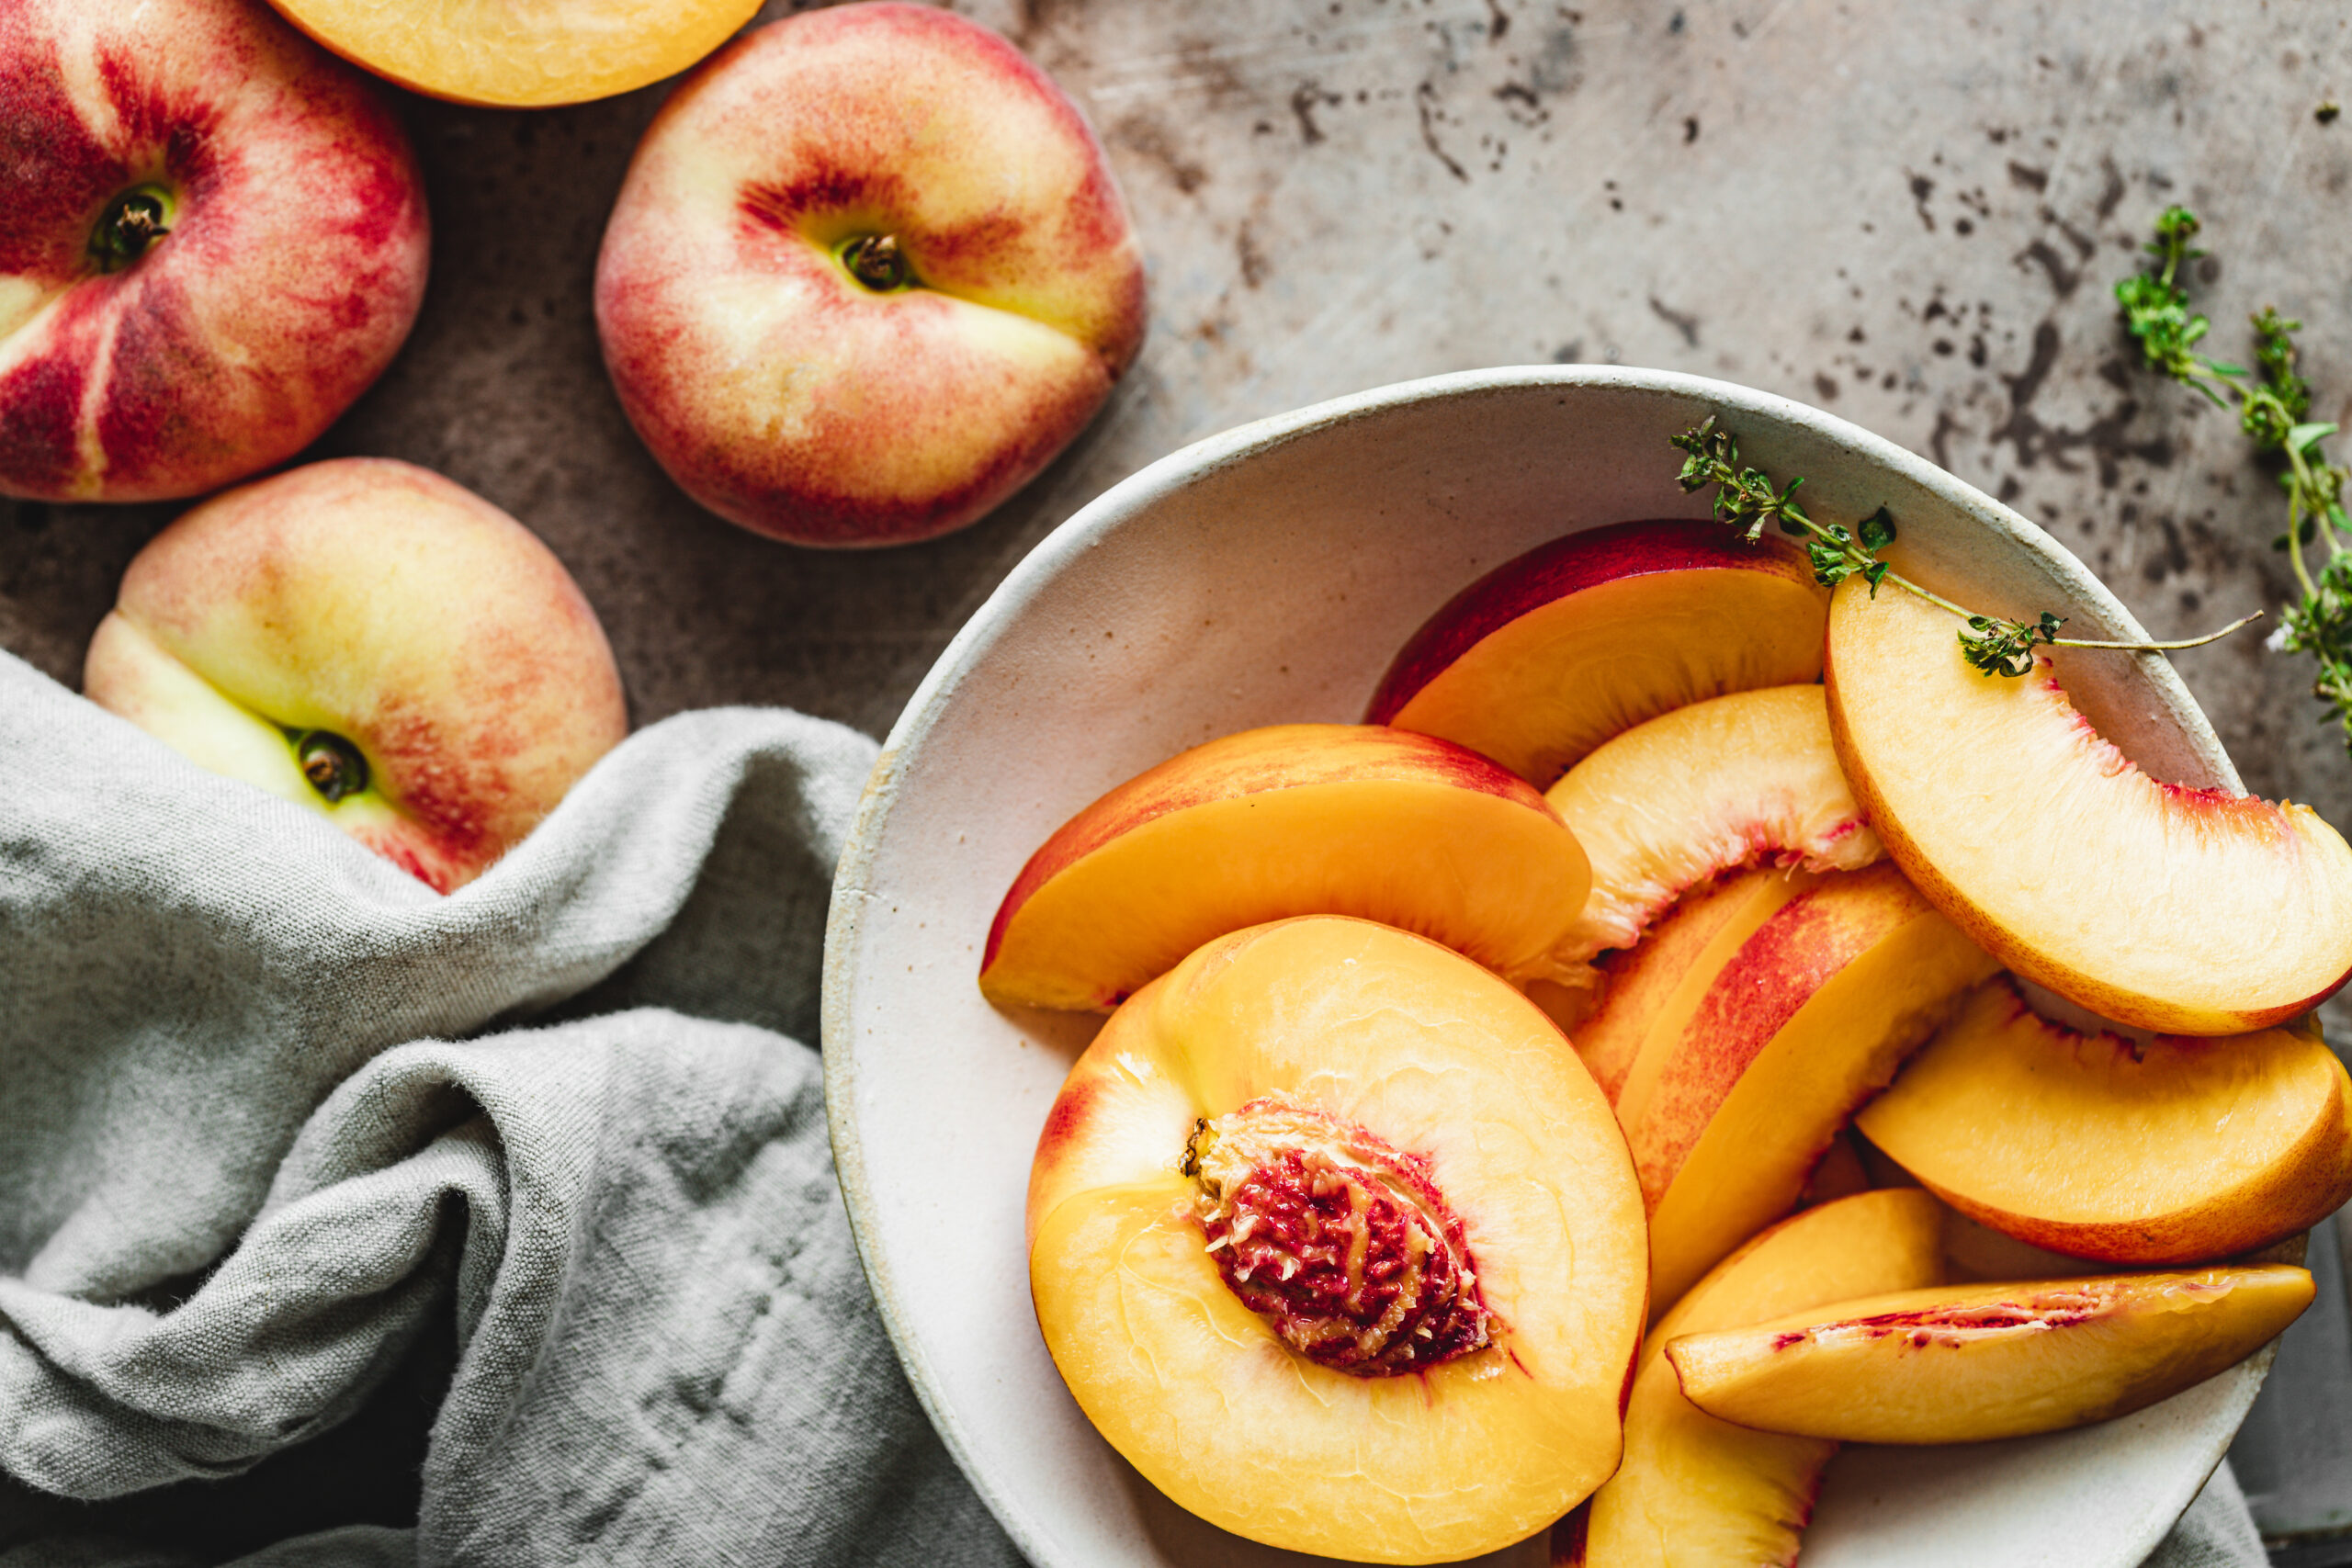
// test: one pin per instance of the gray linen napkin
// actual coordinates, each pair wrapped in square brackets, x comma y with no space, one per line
[266,1151]
[271,1140]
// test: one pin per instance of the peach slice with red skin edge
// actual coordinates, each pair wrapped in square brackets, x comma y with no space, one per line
[1551,653]
[1696,1490]
[2070,1141]
[1740,780]
[1379,1031]
[1292,819]
[1977,1362]
[1656,984]
[2193,911]
[1727,1116]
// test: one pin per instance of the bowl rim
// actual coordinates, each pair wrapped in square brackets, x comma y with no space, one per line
[1121,502]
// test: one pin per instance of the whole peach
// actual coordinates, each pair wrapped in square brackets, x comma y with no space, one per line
[212,238]
[366,638]
[867,274]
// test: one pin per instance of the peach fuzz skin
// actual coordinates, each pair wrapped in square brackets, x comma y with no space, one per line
[1977,1362]
[293,265]
[385,604]
[1289,819]
[1551,653]
[1394,1034]
[2078,1142]
[1693,1489]
[510,56]
[786,395]
[2189,911]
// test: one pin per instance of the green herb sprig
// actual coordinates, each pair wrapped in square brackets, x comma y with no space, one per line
[1746,499]
[2271,400]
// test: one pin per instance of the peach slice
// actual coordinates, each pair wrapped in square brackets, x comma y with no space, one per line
[1727,1114]
[1551,653]
[2195,911]
[1693,1489]
[1656,984]
[1293,820]
[1970,1363]
[520,54]
[1739,780]
[1333,1241]
[2076,1142]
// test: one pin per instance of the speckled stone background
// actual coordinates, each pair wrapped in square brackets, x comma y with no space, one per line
[1908,213]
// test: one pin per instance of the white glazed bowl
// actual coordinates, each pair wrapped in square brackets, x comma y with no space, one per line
[1266,575]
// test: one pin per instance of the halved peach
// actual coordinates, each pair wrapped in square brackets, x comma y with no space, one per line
[1741,780]
[1727,1114]
[1970,1363]
[1293,820]
[1552,652]
[1656,986]
[1339,1246]
[1696,1490]
[2195,912]
[2168,1151]
[520,54]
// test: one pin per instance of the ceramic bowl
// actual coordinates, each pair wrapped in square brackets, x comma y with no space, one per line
[1266,575]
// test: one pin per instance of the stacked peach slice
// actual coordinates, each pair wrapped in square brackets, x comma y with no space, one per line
[1425,1090]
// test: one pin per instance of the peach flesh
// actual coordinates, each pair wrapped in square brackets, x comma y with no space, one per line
[290,267]
[1551,653]
[1287,820]
[525,55]
[1977,1362]
[1741,780]
[2194,911]
[2076,1142]
[1655,987]
[1727,1116]
[1695,1490]
[1375,1029]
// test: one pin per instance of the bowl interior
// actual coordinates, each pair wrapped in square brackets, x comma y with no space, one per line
[1268,575]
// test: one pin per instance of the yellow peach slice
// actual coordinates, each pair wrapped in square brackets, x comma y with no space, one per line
[1727,1115]
[1656,986]
[1740,780]
[520,54]
[2195,911]
[1551,653]
[1293,820]
[1334,1242]
[2169,1151]
[1693,1489]
[1972,1363]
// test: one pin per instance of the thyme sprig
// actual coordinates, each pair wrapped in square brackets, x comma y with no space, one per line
[2271,400]
[1746,499]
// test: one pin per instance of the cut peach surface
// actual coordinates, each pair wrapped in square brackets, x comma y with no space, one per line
[520,54]
[1696,1490]
[1970,1363]
[1551,653]
[1278,1164]
[2168,1152]
[1728,1113]
[2195,912]
[1740,780]
[1657,985]
[1300,818]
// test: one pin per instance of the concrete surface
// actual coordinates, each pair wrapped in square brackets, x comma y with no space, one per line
[1908,213]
